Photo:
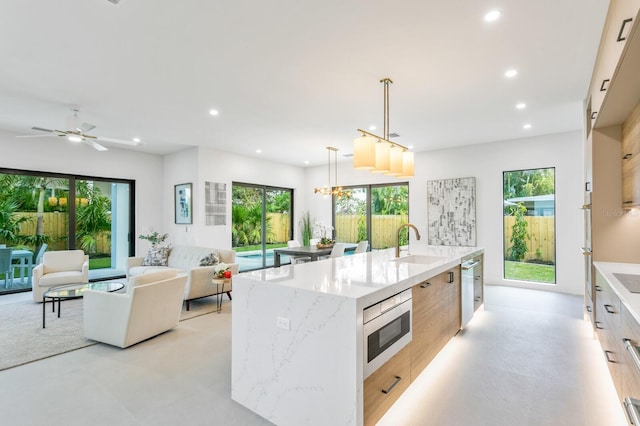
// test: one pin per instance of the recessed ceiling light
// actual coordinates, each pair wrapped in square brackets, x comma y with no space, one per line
[494,15]
[136,140]
[511,73]
[258,151]
[372,127]
[409,146]
[306,161]
[213,111]
[521,105]
[526,126]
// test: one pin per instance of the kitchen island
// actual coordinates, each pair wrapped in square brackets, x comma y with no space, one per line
[297,331]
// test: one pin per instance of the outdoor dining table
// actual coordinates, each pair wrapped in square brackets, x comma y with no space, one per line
[311,251]
[26,262]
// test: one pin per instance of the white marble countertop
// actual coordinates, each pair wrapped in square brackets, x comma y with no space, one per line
[367,277]
[630,300]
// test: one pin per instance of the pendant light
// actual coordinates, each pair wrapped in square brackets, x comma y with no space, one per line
[379,154]
[336,190]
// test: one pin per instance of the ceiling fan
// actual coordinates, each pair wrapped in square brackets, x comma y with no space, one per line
[78,132]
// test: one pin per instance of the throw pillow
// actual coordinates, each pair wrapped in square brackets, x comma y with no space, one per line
[157,256]
[210,259]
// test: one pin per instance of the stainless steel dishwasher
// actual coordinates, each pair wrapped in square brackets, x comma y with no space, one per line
[467,291]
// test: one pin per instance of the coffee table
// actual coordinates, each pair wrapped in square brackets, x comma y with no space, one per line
[74,291]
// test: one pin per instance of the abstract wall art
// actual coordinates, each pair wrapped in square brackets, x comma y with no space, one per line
[451,211]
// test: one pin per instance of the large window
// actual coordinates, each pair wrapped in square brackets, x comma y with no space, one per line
[67,212]
[529,225]
[261,221]
[373,213]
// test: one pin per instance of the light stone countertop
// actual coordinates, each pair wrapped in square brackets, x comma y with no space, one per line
[630,300]
[368,277]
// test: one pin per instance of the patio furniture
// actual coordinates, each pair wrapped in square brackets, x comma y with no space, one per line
[24,265]
[361,247]
[59,268]
[297,259]
[6,266]
[38,258]
[152,305]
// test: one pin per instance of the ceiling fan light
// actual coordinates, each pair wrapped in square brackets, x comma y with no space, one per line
[382,157]
[74,138]
[364,153]
[395,161]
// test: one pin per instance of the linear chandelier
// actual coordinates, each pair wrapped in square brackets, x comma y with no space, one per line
[379,154]
[336,190]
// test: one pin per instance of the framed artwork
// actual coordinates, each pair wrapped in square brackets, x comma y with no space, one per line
[183,204]
[451,212]
[215,203]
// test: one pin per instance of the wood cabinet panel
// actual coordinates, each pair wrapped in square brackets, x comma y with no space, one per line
[631,159]
[386,384]
[436,317]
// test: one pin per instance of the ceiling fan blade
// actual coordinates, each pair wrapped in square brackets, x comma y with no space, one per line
[41,129]
[85,127]
[34,136]
[120,141]
[94,144]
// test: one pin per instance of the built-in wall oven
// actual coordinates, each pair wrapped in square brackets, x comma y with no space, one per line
[387,329]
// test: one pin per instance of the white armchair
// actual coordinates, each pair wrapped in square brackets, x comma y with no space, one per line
[151,305]
[59,268]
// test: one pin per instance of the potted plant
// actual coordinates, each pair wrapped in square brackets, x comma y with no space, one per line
[324,232]
[306,228]
[154,238]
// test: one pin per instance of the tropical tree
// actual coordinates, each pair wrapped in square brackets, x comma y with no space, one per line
[93,219]
[520,234]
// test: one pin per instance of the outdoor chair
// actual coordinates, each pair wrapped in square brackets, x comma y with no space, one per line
[38,258]
[297,259]
[6,267]
[362,247]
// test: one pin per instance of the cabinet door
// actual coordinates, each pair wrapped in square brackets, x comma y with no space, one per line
[385,385]
[608,325]
[631,159]
[429,322]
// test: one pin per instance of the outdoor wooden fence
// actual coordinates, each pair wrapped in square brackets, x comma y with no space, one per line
[56,226]
[541,231]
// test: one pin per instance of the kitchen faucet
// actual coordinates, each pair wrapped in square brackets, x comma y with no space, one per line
[404,225]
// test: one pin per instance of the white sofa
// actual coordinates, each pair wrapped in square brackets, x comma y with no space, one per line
[59,268]
[186,260]
[151,305]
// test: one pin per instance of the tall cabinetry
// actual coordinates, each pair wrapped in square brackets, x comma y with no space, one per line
[611,121]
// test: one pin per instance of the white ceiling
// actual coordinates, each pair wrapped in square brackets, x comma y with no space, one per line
[291,77]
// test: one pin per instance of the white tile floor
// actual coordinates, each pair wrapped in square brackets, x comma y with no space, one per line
[528,359]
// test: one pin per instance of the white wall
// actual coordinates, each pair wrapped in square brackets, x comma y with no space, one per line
[200,165]
[486,162]
[61,156]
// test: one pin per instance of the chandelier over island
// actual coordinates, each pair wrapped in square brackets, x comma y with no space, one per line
[379,154]
[336,190]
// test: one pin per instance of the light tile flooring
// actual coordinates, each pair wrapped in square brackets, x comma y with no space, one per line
[527,359]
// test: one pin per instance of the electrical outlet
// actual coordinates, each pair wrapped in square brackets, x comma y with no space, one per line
[283,323]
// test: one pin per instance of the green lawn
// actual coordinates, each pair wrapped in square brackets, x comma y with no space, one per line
[529,272]
[100,263]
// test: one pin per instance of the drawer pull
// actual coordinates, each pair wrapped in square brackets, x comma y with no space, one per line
[627,156]
[589,308]
[606,355]
[633,351]
[624,23]
[477,299]
[631,406]
[609,309]
[593,115]
[602,88]
[425,285]
[449,277]
[598,288]
[393,385]
[598,326]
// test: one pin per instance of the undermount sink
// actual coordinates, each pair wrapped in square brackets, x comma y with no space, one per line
[419,258]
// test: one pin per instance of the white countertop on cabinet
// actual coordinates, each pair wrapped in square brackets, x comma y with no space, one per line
[630,300]
[297,331]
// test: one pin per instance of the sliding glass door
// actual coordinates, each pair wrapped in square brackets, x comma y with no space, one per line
[63,212]
[261,221]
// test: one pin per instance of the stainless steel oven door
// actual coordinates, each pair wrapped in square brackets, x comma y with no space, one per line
[385,335]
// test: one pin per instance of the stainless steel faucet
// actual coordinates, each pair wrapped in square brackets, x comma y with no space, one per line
[404,225]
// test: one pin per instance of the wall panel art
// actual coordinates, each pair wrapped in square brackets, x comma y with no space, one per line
[451,211]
